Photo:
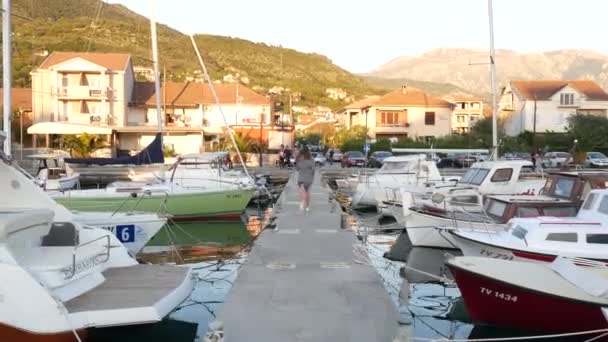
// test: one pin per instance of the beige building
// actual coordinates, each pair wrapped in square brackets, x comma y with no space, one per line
[97,93]
[82,88]
[467,111]
[405,112]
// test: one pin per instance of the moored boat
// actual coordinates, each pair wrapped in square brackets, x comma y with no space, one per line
[542,239]
[557,298]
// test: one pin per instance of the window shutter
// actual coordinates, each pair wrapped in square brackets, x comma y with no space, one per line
[403,117]
[379,116]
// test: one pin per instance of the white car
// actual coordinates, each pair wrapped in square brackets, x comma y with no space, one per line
[555,159]
[337,157]
[319,158]
[596,159]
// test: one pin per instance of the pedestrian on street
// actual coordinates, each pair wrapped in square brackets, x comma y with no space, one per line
[306,173]
[331,157]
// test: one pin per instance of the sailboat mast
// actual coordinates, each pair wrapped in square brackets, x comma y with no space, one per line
[7,74]
[219,106]
[493,82]
[159,116]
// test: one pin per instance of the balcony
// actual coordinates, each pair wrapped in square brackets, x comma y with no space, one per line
[80,92]
[392,128]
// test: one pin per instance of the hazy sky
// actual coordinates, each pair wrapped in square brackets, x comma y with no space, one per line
[361,35]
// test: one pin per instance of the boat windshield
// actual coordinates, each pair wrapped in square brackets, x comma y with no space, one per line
[564,187]
[474,176]
[495,208]
[396,167]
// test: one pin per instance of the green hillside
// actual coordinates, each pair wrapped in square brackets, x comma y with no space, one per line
[66,25]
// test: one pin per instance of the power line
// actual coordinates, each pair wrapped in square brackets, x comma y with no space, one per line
[94,25]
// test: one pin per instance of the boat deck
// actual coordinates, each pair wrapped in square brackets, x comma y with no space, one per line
[302,282]
[130,287]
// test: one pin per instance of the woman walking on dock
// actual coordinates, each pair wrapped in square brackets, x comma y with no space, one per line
[306,173]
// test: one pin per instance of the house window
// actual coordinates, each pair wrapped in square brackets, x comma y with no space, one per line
[391,118]
[83,80]
[473,118]
[460,118]
[65,80]
[429,118]
[566,99]
[475,105]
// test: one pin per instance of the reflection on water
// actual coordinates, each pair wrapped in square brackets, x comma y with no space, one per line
[215,251]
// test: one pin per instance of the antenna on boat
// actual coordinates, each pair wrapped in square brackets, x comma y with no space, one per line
[493,81]
[219,106]
[6,73]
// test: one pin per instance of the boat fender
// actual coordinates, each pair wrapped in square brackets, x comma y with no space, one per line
[215,332]
[134,194]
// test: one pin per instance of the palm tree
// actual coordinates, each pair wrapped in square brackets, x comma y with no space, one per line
[244,143]
[82,145]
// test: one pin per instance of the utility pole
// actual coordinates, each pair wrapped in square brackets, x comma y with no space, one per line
[7,73]
[534,147]
[493,81]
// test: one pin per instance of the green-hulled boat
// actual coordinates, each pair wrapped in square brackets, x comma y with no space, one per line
[217,201]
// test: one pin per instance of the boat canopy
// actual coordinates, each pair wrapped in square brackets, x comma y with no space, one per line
[152,154]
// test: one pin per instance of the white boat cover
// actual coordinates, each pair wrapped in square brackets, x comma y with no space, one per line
[581,277]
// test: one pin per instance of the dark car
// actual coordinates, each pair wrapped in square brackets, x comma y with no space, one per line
[457,160]
[353,158]
[377,158]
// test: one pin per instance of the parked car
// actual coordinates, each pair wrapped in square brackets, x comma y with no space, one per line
[517,156]
[319,158]
[555,159]
[337,157]
[457,160]
[596,159]
[353,158]
[376,158]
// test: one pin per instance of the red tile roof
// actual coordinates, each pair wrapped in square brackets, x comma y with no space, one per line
[112,61]
[22,98]
[544,89]
[189,94]
[410,97]
[363,103]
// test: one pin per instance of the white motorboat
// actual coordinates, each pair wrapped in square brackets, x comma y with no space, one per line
[421,209]
[561,197]
[51,172]
[66,277]
[503,177]
[133,229]
[542,239]
[395,172]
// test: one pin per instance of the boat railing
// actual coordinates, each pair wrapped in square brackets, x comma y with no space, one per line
[88,261]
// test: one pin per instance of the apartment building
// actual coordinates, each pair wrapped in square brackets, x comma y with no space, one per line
[546,105]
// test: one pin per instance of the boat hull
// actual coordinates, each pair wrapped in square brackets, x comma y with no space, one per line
[471,247]
[493,302]
[221,205]
[421,230]
[10,333]
[132,230]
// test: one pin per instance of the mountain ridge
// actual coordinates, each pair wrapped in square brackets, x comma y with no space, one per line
[453,66]
[92,25]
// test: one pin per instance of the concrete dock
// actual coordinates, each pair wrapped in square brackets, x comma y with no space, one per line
[301,281]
